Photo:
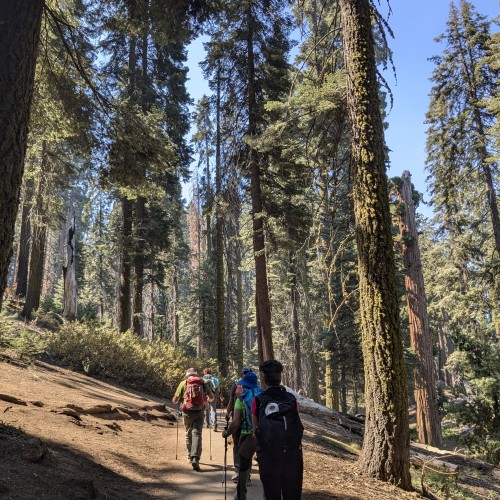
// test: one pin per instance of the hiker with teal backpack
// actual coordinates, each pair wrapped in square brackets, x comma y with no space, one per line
[211,411]
[195,392]
[246,390]
[278,429]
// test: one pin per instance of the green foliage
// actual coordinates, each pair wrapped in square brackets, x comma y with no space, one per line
[28,344]
[97,349]
[21,342]
[6,332]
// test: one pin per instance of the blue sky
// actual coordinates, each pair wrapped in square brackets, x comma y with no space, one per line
[415,25]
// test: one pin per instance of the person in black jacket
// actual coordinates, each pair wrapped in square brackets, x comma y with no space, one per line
[278,429]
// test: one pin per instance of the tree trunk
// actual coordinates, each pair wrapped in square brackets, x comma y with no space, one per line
[20,35]
[23,252]
[140,229]
[385,453]
[446,348]
[69,270]
[424,373]
[173,308]
[343,389]
[295,300]
[39,239]
[329,382]
[262,303]
[219,248]
[125,312]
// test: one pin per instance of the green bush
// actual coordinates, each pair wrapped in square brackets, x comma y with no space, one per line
[18,340]
[155,367]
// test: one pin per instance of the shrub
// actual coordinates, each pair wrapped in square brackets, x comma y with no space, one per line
[97,349]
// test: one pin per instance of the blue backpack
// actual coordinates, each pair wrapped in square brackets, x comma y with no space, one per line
[246,397]
[213,380]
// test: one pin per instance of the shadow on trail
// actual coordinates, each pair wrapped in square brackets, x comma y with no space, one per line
[64,472]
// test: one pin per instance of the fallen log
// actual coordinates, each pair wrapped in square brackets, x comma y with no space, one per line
[424,461]
[310,407]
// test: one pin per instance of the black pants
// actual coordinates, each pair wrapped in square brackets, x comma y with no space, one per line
[236,442]
[281,474]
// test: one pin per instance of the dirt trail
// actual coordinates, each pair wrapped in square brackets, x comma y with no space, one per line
[67,436]
[127,452]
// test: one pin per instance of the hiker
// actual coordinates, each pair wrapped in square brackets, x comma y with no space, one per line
[236,434]
[278,429]
[246,389]
[211,411]
[195,392]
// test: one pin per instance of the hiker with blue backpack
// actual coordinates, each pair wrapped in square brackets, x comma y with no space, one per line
[278,429]
[195,392]
[229,416]
[246,390]
[211,411]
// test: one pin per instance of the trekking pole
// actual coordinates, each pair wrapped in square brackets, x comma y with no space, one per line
[210,440]
[224,471]
[177,440]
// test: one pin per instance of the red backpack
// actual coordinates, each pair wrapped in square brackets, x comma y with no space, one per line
[195,397]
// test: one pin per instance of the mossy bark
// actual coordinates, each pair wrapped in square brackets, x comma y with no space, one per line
[385,453]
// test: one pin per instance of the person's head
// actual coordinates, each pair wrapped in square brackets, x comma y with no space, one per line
[248,380]
[190,372]
[271,369]
[207,371]
[245,370]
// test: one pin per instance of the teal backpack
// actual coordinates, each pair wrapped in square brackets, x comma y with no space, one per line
[246,397]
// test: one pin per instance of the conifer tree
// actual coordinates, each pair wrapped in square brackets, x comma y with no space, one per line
[20,37]
[424,378]
[241,50]
[385,453]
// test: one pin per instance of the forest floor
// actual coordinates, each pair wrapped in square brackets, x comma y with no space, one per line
[64,435]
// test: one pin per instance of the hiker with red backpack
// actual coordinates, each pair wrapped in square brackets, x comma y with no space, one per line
[278,429]
[195,392]
[246,390]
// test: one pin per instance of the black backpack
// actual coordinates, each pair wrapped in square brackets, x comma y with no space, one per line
[279,422]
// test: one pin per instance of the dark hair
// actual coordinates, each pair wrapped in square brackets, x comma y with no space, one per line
[207,371]
[272,371]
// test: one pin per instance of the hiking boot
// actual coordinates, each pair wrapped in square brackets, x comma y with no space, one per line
[195,463]
[215,428]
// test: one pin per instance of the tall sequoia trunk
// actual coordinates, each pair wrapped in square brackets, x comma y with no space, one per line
[424,373]
[262,302]
[219,247]
[125,309]
[23,251]
[20,36]
[38,239]
[69,270]
[385,453]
